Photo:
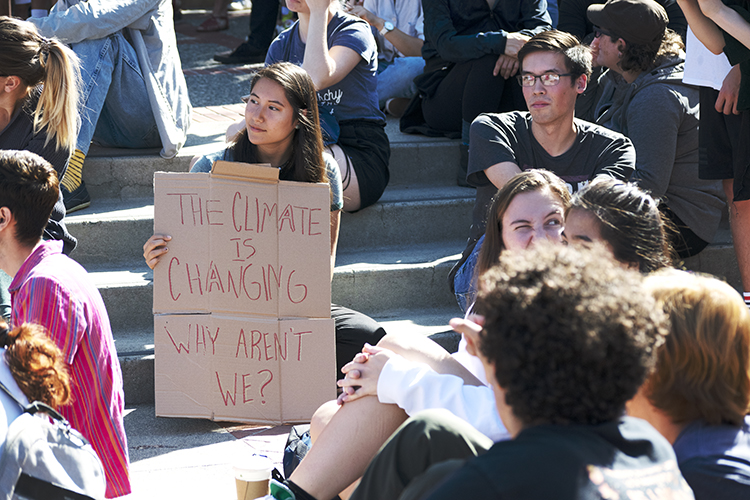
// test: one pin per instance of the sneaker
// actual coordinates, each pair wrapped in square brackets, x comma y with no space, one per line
[77,200]
[243,54]
[279,491]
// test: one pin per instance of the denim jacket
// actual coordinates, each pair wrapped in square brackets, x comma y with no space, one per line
[150,29]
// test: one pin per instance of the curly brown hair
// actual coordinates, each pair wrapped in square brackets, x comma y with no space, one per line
[36,364]
[647,56]
[572,334]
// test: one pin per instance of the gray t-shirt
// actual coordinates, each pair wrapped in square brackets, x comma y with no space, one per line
[507,137]
[206,162]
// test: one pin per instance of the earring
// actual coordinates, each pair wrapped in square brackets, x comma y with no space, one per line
[297,126]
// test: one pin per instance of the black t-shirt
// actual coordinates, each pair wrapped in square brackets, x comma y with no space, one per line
[626,459]
[507,137]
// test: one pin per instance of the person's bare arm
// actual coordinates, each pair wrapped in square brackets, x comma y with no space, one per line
[406,44]
[325,67]
[727,19]
[500,173]
[704,28]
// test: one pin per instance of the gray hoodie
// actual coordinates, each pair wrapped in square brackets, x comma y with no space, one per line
[660,115]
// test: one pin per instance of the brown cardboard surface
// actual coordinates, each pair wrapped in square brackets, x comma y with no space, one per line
[242,324]
[242,242]
[243,369]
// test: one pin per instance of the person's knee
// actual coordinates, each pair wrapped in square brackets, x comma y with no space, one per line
[442,435]
[321,418]
[392,342]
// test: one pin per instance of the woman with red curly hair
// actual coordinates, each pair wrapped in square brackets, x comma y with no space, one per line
[32,368]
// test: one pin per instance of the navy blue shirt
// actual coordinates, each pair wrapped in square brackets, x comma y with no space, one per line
[715,460]
[355,97]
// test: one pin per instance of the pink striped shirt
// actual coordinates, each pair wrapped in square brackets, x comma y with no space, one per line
[54,291]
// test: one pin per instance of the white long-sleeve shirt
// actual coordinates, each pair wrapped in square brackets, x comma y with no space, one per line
[416,386]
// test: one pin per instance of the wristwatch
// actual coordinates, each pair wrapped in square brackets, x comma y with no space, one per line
[387,26]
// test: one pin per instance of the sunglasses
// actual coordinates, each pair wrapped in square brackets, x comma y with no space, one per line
[599,32]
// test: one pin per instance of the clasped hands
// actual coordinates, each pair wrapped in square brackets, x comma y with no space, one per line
[362,373]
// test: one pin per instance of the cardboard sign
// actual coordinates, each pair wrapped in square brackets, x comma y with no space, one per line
[243,369]
[242,326]
[242,241]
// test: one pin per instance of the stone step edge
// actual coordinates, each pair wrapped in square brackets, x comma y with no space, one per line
[141,208]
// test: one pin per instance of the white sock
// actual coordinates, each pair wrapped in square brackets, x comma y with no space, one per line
[746,296]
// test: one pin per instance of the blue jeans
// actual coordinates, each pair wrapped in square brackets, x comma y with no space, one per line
[396,79]
[116,110]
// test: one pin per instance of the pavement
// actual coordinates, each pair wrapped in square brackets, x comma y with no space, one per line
[181,457]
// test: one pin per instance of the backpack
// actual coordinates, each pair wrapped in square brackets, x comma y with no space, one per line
[297,445]
[48,460]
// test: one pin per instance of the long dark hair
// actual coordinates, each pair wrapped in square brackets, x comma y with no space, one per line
[306,164]
[629,220]
[524,182]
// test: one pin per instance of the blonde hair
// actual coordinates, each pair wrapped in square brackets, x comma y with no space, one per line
[38,60]
[703,369]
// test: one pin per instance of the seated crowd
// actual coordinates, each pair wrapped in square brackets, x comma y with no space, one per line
[587,368]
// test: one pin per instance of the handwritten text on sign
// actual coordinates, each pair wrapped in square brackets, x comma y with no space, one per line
[245,247]
[230,368]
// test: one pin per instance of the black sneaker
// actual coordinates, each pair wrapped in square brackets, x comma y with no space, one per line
[77,200]
[243,54]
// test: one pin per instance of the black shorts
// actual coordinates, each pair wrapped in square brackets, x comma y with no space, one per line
[724,145]
[367,146]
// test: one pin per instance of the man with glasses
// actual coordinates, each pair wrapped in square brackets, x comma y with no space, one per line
[554,70]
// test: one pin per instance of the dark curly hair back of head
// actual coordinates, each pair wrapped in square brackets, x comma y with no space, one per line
[571,333]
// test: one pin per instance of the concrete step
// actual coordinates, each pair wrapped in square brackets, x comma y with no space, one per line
[135,348]
[128,173]
[113,231]
[375,283]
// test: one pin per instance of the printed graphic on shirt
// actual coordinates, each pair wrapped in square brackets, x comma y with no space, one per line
[658,482]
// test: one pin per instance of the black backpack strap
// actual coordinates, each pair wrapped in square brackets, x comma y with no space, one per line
[38,489]
[12,396]
[35,407]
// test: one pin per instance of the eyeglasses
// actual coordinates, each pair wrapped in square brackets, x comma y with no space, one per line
[599,32]
[548,79]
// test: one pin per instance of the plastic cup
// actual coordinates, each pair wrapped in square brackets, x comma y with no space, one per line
[251,476]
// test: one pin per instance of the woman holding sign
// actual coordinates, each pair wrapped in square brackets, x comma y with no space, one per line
[282,128]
